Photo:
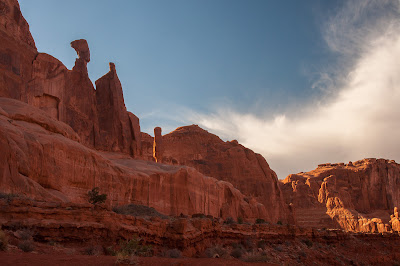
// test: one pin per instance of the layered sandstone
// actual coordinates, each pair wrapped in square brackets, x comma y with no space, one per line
[229,161]
[98,116]
[42,159]
[17,51]
[357,196]
[118,128]
[158,148]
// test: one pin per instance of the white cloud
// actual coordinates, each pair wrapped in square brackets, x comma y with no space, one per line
[361,120]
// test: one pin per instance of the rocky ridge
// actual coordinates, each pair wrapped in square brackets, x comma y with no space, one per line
[357,196]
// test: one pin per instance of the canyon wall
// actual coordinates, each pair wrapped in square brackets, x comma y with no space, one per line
[41,158]
[229,161]
[359,196]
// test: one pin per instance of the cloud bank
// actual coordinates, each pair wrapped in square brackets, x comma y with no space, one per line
[358,118]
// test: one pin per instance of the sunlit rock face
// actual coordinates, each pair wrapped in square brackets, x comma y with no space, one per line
[17,51]
[42,158]
[357,196]
[60,137]
[229,161]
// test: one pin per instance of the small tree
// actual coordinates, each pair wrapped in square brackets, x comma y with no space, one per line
[95,197]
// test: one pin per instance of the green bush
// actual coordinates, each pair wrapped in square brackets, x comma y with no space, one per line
[240,220]
[95,197]
[279,222]
[133,247]
[3,241]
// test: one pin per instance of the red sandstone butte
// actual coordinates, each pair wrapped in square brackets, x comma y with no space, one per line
[61,137]
[229,161]
[357,196]
[41,158]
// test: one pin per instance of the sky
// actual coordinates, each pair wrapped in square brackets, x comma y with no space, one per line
[301,82]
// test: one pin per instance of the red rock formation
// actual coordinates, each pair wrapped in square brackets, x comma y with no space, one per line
[42,159]
[356,196]
[78,226]
[82,49]
[68,95]
[117,127]
[158,149]
[228,161]
[17,51]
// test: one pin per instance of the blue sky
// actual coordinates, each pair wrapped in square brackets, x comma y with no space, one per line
[262,72]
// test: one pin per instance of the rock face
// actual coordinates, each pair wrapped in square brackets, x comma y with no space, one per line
[357,196]
[117,126]
[17,51]
[158,149]
[82,49]
[98,116]
[42,159]
[228,161]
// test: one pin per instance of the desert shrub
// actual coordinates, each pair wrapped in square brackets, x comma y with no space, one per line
[26,245]
[173,253]
[211,252]
[237,253]
[110,251]
[261,244]
[138,210]
[25,234]
[308,242]
[248,244]
[278,248]
[279,222]
[93,250]
[3,241]
[260,221]
[95,197]
[133,247]
[229,220]
[240,220]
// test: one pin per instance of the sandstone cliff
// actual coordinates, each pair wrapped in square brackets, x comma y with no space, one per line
[69,136]
[228,161]
[357,196]
[98,115]
[42,159]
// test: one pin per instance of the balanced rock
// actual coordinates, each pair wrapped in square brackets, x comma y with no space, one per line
[82,49]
